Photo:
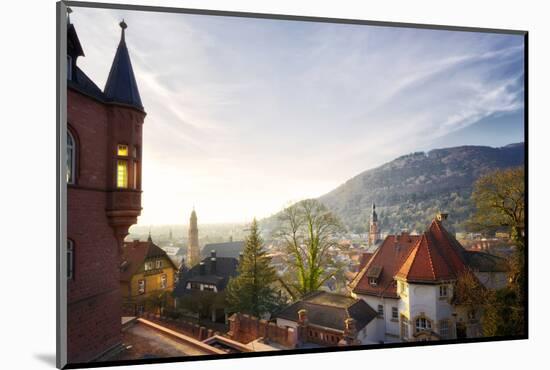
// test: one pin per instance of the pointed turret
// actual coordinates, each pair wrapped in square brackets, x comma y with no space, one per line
[121,86]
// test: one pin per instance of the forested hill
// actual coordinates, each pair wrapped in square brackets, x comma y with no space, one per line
[409,190]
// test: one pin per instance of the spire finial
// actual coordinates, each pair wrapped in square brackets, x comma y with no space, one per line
[123,26]
[69,11]
[149,239]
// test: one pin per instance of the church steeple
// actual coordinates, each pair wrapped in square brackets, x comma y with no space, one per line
[373,216]
[121,86]
[193,251]
[374,230]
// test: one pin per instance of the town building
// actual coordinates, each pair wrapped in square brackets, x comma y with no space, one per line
[146,272]
[104,141]
[193,250]
[329,319]
[208,278]
[410,282]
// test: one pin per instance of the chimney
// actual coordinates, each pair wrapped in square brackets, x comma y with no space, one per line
[302,316]
[202,268]
[213,265]
[212,254]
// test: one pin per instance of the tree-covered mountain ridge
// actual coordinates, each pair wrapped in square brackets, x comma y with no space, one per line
[411,189]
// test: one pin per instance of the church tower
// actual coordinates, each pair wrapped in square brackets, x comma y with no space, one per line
[374,230]
[193,252]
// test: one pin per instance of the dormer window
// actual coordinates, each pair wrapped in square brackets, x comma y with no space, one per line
[373,281]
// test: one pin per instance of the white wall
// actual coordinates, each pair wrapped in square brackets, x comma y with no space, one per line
[385,329]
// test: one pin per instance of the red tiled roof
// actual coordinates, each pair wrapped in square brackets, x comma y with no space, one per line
[431,257]
[389,257]
[365,258]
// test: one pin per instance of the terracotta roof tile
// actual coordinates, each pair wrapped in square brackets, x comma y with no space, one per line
[389,257]
[432,257]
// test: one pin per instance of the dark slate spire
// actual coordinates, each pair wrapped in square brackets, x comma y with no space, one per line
[74,49]
[121,86]
[374,216]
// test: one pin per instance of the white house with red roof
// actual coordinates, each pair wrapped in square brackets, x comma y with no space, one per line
[410,282]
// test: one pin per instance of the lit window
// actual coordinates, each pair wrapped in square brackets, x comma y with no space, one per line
[163,281]
[148,266]
[71,151]
[394,313]
[443,291]
[122,174]
[122,150]
[423,324]
[380,310]
[158,264]
[70,259]
[141,286]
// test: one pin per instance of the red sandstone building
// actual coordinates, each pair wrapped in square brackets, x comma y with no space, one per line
[104,142]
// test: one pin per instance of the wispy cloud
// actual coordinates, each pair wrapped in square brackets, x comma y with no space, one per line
[245,115]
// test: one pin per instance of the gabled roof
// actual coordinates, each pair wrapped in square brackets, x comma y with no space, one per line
[121,86]
[228,249]
[225,269]
[135,253]
[388,259]
[330,310]
[485,262]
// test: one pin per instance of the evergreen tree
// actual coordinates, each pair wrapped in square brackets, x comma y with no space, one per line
[252,291]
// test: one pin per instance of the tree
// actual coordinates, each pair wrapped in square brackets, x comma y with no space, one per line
[307,229]
[499,198]
[252,290]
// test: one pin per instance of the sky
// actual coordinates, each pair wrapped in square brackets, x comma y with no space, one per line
[246,116]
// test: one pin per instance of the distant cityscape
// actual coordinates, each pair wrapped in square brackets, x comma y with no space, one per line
[428,247]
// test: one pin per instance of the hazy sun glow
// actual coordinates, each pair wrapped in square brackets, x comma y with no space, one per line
[245,116]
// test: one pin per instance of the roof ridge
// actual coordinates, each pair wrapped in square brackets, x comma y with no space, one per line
[430,259]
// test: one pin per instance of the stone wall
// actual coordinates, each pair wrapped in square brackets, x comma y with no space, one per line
[245,329]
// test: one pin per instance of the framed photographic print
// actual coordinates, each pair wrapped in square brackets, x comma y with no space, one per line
[236,184]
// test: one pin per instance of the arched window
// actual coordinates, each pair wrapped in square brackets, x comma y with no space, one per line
[422,324]
[71,158]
